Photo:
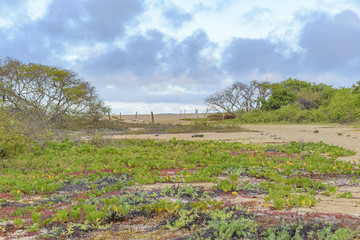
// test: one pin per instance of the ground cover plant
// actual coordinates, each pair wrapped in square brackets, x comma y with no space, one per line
[146,189]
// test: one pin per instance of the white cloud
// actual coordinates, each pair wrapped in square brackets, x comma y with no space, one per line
[21,12]
[81,52]
[141,59]
[36,9]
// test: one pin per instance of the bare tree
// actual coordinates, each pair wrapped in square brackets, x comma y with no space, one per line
[239,97]
[247,93]
[46,93]
[225,100]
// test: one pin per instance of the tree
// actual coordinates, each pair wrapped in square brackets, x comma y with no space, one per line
[355,88]
[239,97]
[279,97]
[308,95]
[226,100]
[47,93]
[295,85]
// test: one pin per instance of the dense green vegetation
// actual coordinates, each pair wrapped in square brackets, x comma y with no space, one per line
[95,181]
[295,101]
[144,159]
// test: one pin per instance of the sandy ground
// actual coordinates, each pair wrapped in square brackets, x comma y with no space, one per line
[344,136]
[347,137]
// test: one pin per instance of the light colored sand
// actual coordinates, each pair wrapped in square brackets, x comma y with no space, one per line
[241,136]
[339,205]
[347,137]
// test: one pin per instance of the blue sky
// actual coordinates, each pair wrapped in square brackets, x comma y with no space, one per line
[168,55]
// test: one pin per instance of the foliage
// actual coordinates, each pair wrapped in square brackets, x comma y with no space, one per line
[12,141]
[311,148]
[105,175]
[343,107]
[302,230]
[295,101]
[279,97]
[234,228]
[39,93]
[285,114]
[227,186]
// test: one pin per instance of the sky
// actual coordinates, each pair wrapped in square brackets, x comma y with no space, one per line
[167,56]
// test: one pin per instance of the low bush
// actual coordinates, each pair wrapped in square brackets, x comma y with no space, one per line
[12,140]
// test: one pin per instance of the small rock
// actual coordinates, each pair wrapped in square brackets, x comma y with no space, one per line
[340,134]
[14,204]
[316,131]
[197,135]
[271,150]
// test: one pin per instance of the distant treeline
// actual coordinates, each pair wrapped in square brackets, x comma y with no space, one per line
[290,101]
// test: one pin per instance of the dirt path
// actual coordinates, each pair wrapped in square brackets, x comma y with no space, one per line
[347,137]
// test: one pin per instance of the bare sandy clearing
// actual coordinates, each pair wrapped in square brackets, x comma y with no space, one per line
[338,205]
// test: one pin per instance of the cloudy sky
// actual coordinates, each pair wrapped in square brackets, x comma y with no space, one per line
[168,55]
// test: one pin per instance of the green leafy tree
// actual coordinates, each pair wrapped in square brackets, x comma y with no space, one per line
[308,95]
[279,97]
[46,93]
[316,93]
[295,85]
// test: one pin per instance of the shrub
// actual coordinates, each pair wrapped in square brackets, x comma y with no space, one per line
[343,107]
[12,141]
